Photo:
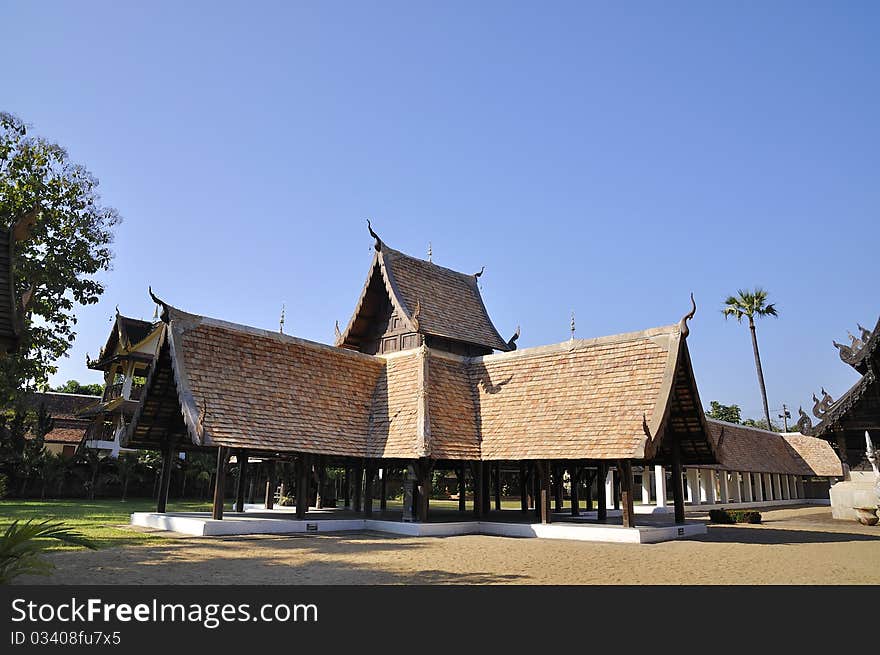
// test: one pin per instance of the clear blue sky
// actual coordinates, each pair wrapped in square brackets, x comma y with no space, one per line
[601,158]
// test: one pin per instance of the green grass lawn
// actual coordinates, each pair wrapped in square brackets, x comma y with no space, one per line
[102,521]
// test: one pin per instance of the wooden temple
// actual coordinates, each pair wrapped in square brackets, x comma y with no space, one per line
[420,380]
[125,359]
[843,422]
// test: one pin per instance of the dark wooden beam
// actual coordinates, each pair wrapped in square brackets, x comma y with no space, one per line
[601,499]
[424,467]
[241,479]
[462,487]
[383,490]
[615,489]
[479,469]
[346,487]
[369,476]
[165,480]
[270,484]
[320,481]
[677,490]
[557,487]
[358,485]
[543,469]
[303,475]
[624,468]
[220,483]
[497,486]
[486,496]
[523,488]
[574,475]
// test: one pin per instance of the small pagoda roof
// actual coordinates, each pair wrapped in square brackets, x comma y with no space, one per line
[127,333]
[753,450]
[433,300]
[63,408]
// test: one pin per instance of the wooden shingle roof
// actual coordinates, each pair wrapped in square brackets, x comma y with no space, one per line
[432,300]
[216,383]
[744,448]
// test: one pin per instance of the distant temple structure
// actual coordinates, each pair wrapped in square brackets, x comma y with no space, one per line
[125,360]
[421,380]
[844,422]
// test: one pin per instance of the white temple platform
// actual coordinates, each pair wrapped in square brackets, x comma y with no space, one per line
[277,522]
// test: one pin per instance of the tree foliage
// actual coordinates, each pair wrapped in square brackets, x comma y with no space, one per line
[21,546]
[74,386]
[728,413]
[748,304]
[68,246]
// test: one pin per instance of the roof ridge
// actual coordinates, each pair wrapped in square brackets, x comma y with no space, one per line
[583,343]
[425,261]
[748,427]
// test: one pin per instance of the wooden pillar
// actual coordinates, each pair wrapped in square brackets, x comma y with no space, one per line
[486,494]
[241,479]
[423,469]
[303,475]
[544,470]
[320,481]
[497,486]
[383,490]
[346,488]
[165,480]
[624,468]
[523,488]
[270,484]
[557,487]
[615,489]
[479,474]
[462,488]
[601,500]
[588,488]
[220,483]
[358,485]
[677,490]
[369,476]
[574,474]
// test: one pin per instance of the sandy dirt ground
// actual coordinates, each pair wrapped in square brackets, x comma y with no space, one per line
[793,546]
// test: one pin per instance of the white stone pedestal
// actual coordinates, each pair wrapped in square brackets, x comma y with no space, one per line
[856,492]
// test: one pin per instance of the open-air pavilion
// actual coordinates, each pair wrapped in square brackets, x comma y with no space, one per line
[419,382]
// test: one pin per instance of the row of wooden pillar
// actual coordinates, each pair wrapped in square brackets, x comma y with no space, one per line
[540,484]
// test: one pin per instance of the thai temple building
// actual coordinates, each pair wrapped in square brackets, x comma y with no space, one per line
[420,381]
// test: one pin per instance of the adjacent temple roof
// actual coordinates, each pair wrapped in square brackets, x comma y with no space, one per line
[126,335]
[220,384]
[63,408]
[743,448]
[431,300]
[859,408]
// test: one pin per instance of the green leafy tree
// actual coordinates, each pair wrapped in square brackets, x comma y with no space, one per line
[68,245]
[53,471]
[73,386]
[752,305]
[728,413]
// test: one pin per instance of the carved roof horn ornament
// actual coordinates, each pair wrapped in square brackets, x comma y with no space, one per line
[338,333]
[821,407]
[415,315]
[378,245]
[851,352]
[511,343]
[161,303]
[804,424]
[481,271]
[866,334]
[683,323]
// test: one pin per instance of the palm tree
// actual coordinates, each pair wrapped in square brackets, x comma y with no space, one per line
[752,305]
